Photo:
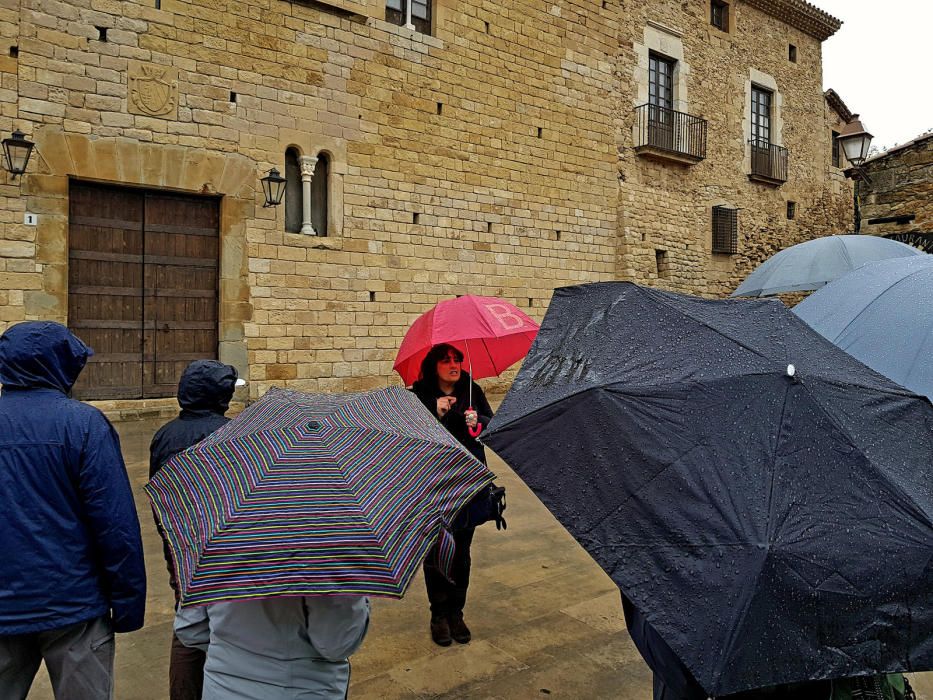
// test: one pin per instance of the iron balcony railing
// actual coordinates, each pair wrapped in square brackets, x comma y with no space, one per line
[769,161]
[671,131]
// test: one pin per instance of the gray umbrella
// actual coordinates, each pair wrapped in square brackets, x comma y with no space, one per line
[808,266]
[881,314]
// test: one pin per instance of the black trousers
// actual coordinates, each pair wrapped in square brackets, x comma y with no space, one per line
[448,598]
[185,671]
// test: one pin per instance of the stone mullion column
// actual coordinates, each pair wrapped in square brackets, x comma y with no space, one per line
[408,23]
[307,164]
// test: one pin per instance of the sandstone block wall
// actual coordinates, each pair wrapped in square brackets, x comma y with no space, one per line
[493,157]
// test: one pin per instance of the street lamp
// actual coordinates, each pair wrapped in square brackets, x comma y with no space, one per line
[16,152]
[273,186]
[855,141]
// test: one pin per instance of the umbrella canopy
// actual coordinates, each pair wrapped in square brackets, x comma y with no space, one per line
[808,266]
[491,333]
[881,314]
[772,524]
[308,494]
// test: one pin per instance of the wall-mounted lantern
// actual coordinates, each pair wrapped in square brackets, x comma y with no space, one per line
[16,152]
[273,186]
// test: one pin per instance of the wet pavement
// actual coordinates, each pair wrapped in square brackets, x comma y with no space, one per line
[546,621]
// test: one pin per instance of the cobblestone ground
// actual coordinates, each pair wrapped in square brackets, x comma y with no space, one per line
[546,620]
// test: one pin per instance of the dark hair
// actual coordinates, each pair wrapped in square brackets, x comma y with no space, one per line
[427,376]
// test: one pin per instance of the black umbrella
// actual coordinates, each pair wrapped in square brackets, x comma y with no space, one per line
[762,497]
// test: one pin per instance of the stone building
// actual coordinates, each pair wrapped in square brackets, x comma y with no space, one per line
[897,199]
[431,148]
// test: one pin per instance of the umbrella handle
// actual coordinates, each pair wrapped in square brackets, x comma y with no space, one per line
[475,431]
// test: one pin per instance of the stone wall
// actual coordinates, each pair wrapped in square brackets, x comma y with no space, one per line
[476,160]
[901,187]
[665,206]
[493,157]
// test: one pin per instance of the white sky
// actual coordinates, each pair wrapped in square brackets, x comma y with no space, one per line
[880,63]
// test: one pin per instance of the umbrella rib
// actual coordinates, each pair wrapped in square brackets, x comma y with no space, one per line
[666,303]
[873,301]
[904,497]
[609,385]
[920,346]
[491,359]
[741,610]
[845,253]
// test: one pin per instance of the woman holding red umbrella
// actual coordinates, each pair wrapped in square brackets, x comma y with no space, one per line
[461,406]
[494,335]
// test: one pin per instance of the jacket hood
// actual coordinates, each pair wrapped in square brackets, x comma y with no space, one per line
[207,385]
[41,354]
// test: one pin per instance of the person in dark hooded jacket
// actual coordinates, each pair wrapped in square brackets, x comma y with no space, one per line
[74,572]
[204,394]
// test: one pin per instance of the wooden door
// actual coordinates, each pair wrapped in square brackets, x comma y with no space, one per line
[142,287]
[105,277]
[180,288]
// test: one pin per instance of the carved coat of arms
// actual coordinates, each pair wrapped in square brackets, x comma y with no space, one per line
[153,90]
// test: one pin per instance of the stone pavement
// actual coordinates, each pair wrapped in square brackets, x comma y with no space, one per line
[546,620]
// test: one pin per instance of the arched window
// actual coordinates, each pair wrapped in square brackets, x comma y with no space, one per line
[292,191]
[319,194]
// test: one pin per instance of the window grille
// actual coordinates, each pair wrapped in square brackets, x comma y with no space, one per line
[725,230]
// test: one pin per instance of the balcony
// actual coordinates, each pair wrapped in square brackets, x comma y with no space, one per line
[769,163]
[666,134]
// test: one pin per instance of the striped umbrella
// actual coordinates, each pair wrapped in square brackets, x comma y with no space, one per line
[313,494]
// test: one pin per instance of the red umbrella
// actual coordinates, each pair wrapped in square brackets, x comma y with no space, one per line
[491,333]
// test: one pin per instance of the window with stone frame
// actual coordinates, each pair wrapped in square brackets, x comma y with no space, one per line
[725,230]
[719,15]
[292,191]
[761,116]
[661,127]
[307,184]
[319,203]
[414,14]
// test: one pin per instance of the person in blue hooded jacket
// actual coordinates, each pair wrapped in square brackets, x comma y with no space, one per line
[73,573]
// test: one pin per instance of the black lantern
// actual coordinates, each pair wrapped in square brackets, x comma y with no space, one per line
[273,186]
[16,151]
[855,141]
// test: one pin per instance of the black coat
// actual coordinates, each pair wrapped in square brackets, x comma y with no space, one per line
[454,420]
[204,394]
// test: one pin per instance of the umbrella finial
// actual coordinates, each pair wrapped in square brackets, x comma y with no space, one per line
[791,370]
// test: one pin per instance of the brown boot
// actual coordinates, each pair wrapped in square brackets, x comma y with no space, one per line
[458,629]
[440,631]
